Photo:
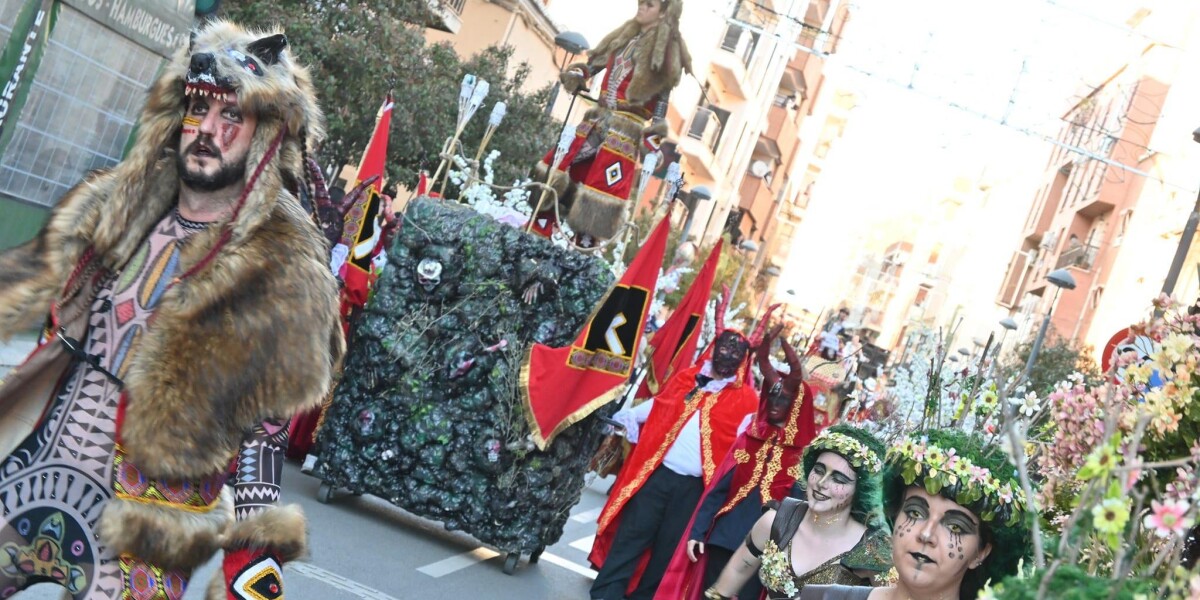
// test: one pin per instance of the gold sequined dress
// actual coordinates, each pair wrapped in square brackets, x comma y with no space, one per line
[871,554]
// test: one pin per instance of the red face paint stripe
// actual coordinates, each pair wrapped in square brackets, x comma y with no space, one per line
[229,132]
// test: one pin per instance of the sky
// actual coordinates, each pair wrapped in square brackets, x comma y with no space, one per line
[946,89]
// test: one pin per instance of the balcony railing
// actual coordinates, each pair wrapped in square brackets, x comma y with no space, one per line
[1078,256]
[456,6]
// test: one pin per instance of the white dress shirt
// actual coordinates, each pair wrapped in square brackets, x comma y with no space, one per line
[683,457]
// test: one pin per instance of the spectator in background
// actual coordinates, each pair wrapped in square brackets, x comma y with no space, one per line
[831,340]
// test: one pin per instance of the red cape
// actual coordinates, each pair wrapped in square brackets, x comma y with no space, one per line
[720,416]
[782,448]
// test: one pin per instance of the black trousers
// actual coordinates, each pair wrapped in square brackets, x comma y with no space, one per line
[654,518]
[717,559]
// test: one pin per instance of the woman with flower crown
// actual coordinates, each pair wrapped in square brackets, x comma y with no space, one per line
[836,536]
[958,516]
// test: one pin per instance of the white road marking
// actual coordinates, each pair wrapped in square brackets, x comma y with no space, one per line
[587,515]
[569,565]
[447,566]
[584,544]
[333,579]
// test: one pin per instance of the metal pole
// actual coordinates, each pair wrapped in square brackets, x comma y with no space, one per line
[1041,337]
[738,280]
[758,311]
[687,225]
[1181,252]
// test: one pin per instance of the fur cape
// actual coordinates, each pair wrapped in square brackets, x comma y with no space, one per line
[661,55]
[249,329]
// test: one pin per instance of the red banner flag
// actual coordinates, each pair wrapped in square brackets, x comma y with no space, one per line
[674,346]
[561,386]
[364,223]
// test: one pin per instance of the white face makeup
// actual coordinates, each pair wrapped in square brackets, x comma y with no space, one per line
[831,484]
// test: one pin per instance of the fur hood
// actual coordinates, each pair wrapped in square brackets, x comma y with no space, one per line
[661,55]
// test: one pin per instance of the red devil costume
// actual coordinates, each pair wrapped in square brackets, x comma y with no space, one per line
[682,436]
[763,466]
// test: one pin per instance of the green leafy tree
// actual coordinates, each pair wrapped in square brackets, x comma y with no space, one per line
[358,51]
[1057,359]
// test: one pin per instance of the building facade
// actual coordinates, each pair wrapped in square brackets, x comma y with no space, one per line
[524,25]
[81,100]
[1116,193]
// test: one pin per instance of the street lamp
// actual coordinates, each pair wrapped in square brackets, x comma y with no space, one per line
[1185,239]
[698,194]
[1009,325]
[573,44]
[748,247]
[1061,279]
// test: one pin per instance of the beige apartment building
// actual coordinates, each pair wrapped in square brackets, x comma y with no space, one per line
[736,126]
[752,125]
[1113,216]
[525,25]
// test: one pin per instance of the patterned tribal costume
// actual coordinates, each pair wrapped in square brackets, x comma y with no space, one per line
[54,525]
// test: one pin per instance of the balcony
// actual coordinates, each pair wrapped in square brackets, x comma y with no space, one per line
[1094,207]
[702,138]
[1080,257]
[730,63]
[446,15]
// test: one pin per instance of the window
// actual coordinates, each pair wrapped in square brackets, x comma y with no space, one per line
[733,35]
[1123,224]
[1014,279]
[8,14]
[82,105]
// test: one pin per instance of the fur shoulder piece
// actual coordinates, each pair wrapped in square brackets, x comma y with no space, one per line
[661,55]
[255,336]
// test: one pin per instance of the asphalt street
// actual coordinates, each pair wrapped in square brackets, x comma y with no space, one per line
[364,547]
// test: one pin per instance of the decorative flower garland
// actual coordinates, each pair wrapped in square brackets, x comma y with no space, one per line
[968,483]
[851,449]
[776,570]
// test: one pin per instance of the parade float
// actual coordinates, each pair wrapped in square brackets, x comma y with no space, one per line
[429,414]
[447,402]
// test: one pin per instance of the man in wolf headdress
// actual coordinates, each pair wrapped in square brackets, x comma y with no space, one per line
[191,313]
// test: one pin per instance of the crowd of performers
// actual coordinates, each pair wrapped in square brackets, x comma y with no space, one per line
[734,492]
[163,442]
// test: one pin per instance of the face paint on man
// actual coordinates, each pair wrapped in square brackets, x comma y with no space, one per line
[229,132]
[779,404]
[728,354]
